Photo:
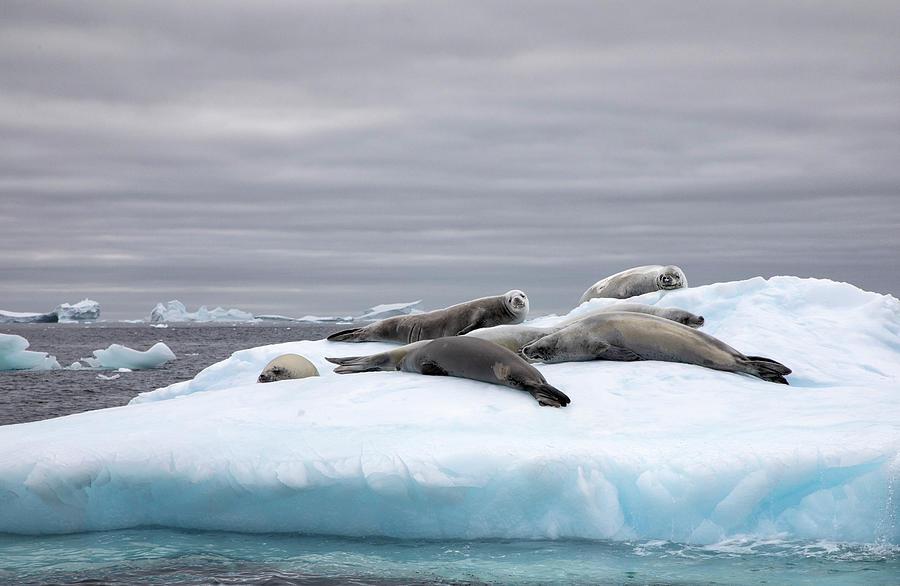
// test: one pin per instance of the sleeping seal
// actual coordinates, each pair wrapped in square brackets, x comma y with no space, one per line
[287,366]
[673,313]
[481,360]
[512,337]
[456,320]
[637,281]
[636,336]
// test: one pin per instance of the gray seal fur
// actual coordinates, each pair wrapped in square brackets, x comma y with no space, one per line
[456,320]
[673,313]
[481,360]
[374,362]
[627,336]
[637,281]
[287,366]
[512,337]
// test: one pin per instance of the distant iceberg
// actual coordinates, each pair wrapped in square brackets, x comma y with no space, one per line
[646,450]
[14,356]
[84,310]
[175,311]
[375,313]
[118,356]
[387,310]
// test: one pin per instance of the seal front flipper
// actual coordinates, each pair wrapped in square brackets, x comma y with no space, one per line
[351,335]
[618,353]
[768,369]
[547,395]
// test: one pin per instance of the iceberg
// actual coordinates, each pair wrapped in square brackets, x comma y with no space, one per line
[378,312]
[84,310]
[646,450]
[119,356]
[175,311]
[14,356]
[386,310]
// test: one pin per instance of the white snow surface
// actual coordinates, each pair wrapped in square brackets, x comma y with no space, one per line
[645,450]
[14,356]
[119,356]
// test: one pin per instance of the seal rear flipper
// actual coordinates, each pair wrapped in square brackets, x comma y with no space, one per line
[768,369]
[343,359]
[548,395]
[351,335]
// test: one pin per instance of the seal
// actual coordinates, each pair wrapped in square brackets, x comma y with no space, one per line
[477,359]
[511,337]
[673,313]
[630,336]
[637,281]
[287,366]
[456,320]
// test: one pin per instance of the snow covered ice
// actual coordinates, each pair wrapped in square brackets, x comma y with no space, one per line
[648,450]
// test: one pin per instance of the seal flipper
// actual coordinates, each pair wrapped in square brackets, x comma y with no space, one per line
[547,395]
[429,368]
[619,354]
[351,335]
[768,369]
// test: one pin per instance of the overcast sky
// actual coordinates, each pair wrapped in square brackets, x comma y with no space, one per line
[322,157]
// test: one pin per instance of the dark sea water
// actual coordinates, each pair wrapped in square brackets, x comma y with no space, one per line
[155,555]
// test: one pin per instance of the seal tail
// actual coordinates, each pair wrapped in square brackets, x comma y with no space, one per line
[548,395]
[768,369]
[351,335]
[353,364]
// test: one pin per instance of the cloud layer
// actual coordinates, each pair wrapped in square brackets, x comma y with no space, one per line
[315,157]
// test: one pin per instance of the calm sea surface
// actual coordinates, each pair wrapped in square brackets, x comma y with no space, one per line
[164,556]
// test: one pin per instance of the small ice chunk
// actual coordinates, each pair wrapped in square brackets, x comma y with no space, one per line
[118,356]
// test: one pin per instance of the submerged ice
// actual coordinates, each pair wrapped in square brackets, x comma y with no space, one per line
[645,450]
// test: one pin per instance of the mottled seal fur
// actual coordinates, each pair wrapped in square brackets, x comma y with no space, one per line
[673,313]
[287,366]
[637,281]
[477,359]
[456,320]
[636,336]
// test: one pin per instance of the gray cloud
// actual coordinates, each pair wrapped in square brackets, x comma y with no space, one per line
[317,157]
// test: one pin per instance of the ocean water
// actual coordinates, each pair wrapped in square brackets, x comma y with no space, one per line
[155,555]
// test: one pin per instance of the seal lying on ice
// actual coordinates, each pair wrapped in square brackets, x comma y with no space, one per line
[512,337]
[287,366]
[462,356]
[456,320]
[636,336]
[673,313]
[637,281]
[481,360]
